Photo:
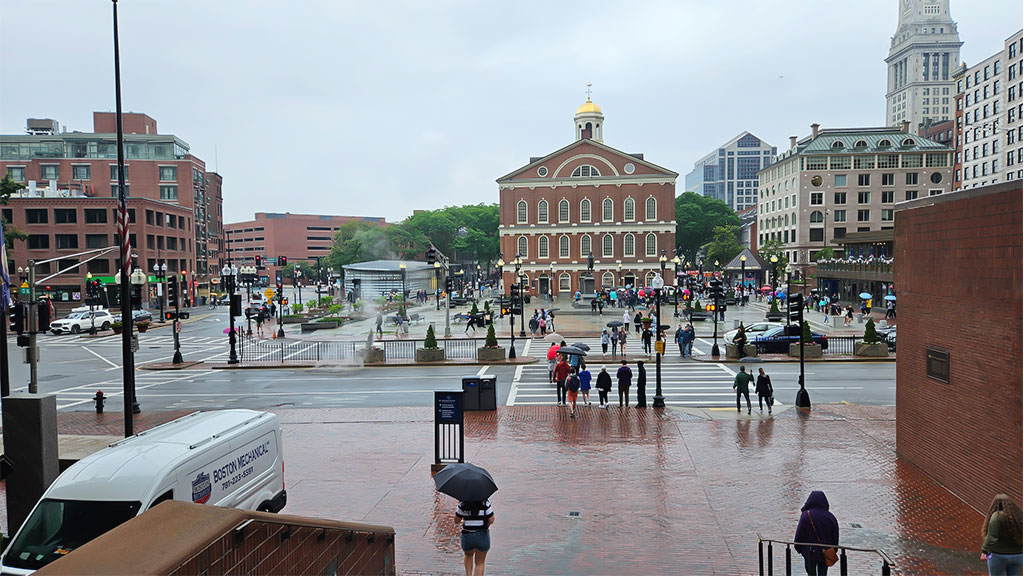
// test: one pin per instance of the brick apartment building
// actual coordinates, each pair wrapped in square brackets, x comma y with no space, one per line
[587,198]
[70,201]
[958,394]
[299,237]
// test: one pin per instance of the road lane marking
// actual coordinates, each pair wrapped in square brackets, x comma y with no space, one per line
[482,371]
[515,385]
[100,357]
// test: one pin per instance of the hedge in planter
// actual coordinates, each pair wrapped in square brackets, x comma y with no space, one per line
[430,352]
[871,345]
[811,349]
[490,352]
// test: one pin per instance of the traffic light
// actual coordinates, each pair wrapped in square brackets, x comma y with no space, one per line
[710,307]
[795,307]
[44,315]
[259,262]
[282,261]
[172,291]
[18,318]
[278,280]
[431,255]
[686,296]
[448,284]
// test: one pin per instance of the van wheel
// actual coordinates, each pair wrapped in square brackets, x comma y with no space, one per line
[75,329]
[264,507]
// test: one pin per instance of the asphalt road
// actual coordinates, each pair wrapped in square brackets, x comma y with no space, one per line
[74,368]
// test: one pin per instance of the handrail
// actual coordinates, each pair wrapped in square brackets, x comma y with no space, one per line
[887,562]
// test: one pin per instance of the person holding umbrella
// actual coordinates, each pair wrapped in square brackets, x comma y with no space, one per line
[472,486]
[561,374]
[614,337]
[605,340]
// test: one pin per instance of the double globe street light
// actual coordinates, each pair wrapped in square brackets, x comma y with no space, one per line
[227,278]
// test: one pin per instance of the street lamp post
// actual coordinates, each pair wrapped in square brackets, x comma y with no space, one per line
[160,271]
[743,277]
[92,315]
[227,279]
[775,272]
[401,306]
[522,298]
[437,285]
[138,279]
[248,279]
[619,265]
[551,281]
[675,264]
[296,273]
[659,348]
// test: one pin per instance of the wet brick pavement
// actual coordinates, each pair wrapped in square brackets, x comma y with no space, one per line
[667,493]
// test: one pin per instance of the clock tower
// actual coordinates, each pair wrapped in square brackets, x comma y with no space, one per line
[923,54]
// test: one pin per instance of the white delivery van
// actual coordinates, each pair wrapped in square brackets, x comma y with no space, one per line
[227,458]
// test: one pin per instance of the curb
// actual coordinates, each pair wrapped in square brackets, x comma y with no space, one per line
[278,366]
[170,366]
[783,359]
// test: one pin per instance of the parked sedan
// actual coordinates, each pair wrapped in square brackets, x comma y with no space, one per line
[777,340]
[142,316]
[755,329]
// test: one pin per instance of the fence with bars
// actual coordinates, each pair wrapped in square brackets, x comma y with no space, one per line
[253,350]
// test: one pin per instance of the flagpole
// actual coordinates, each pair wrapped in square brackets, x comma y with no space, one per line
[128,359]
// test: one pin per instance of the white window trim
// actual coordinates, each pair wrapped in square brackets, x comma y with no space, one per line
[609,253]
[625,202]
[583,253]
[568,247]
[543,247]
[568,211]
[646,244]
[526,212]
[611,217]
[519,242]
[647,213]
[626,252]
[547,212]
[590,210]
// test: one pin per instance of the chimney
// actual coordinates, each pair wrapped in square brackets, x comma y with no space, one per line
[792,142]
[814,130]
[905,126]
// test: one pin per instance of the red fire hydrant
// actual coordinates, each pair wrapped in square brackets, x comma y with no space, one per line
[99,400]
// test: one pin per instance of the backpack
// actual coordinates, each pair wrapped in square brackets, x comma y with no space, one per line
[574,383]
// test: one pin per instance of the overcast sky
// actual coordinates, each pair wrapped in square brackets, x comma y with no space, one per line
[380,108]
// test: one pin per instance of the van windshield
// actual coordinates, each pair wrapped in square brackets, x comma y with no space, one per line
[57,527]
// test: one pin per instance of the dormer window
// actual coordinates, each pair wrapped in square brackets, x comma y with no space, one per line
[860,144]
[884,143]
[908,142]
[585,171]
[837,144]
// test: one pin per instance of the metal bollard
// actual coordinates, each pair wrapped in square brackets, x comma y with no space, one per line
[99,400]
[760,556]
[789,561]
[771,570]
[842,562]
[885,568]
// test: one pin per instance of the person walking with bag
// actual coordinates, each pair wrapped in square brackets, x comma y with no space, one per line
[604,386]
[476,519]
[585,379]
[764,390]
[1001,532]
[641,385]
[817,525]
[625,378]
[742,387]
[561,373]
[572,387]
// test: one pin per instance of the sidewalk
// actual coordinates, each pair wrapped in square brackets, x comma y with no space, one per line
[674,492]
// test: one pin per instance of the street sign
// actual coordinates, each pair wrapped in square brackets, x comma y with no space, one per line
[177,327]
[659,347]
[269,294]
[23,290]
[24,284]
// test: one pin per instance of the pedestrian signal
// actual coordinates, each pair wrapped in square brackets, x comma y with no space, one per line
[710,307]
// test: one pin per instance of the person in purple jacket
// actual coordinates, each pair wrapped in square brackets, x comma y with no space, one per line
[816,524]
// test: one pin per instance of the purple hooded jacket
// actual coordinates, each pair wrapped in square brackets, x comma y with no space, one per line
[825,523]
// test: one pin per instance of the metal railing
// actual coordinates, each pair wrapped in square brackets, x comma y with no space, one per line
[841,345]
[254,350]
[763,556]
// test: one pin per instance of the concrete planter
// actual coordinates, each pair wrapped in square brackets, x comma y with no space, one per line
[879,350]
[810,350]
[774,317]
[429,354]
[374,355]
[295,319]
[733,351]
[485,354]
[700,316]
[313,326]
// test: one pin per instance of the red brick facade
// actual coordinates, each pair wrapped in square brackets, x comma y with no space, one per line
[959,285]
[648,223]
[299,237]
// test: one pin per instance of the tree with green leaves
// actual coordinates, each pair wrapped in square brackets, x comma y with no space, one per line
[870,334]
[492,339]
[725,245]
[805,335]
[696,219]
[774,247]
[8,188]
[825,253]
[430,341]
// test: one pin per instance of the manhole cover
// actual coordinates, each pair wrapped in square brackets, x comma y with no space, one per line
[574,514]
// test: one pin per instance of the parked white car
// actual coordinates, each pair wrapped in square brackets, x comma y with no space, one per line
[755,329]
[81,321]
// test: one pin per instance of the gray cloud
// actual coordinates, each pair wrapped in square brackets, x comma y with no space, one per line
[381,108]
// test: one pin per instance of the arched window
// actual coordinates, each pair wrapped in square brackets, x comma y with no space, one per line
[542,247]
[521,212]
[563,210]
[585,249]
[838,144]
[607,210]
[816,217]
[628,245]
[860,144]
[651,210]
[542,212]
[563,247]
[786,220]
[585,171]
[649,278]
[628,212]
[652,244]
[884,143]
[564,282]
[607,246]
[607,280]
[585,210]
[521,246]
[792,218]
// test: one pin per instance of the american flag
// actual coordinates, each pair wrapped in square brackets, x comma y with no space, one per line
[5,279]
[122,230]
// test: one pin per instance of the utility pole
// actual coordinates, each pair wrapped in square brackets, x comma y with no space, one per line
[33,320]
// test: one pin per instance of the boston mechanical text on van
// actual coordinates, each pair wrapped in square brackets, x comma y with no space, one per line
[235,470]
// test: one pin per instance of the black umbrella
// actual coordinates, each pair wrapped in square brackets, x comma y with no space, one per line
[572,350]
[614,324]
[465,482]
[553,309]
[581,346]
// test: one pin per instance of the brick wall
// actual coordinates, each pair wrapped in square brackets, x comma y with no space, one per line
[184,538]
[959,288]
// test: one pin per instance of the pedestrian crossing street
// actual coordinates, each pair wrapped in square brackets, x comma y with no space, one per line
[703,385]
[634,347]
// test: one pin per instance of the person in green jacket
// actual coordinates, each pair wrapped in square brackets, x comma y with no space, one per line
[742,387]
[1002,533]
